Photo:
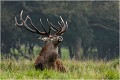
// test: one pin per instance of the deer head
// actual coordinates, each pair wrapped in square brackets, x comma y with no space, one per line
[47,36]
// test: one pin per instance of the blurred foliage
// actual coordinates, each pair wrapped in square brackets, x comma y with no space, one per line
[93,25]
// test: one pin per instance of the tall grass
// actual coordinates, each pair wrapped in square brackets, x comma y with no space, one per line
[24,69]
[65,54]
[89,69]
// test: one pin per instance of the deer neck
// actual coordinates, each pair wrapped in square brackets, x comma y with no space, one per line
[50,47]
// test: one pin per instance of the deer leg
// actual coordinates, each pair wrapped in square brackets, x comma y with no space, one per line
[39,66]
[59,65]
[39,63]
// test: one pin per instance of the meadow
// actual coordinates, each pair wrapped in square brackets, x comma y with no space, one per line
[24,69]
[87,69]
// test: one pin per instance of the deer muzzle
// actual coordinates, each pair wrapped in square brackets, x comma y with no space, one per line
[60,39]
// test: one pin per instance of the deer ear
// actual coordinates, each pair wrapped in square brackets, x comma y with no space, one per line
[43,38]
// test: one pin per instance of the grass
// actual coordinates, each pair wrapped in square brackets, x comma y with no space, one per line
[24,69]
[65,54]
[89,69]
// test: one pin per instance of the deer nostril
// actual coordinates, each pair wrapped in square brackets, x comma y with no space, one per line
[60,38]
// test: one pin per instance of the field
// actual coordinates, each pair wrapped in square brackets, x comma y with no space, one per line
[24,69]
[88,69]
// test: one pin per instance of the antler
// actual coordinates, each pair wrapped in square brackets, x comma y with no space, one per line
[23,23]
[59,30]
[62,27]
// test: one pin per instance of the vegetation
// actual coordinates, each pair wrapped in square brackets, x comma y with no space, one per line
[90,49]
[87,69]
[93,25]
[24,69]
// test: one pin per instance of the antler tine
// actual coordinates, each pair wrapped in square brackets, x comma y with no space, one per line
[23,23]
[66,25]
[62,22]
[21,16]
[43,27]
[60,25]
[33,25]
[16,23]
[54,27]
[49,27]
[61,19]
[63,25]
[28,28]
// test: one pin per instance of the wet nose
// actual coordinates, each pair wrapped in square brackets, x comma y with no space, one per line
[60,38]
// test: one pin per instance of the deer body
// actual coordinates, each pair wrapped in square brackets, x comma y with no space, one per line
[49,54]
[48,57]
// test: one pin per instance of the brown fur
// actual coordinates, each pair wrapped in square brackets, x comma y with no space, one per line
[59,65]
[48,58]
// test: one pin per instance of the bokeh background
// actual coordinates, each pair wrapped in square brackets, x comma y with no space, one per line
[93,31]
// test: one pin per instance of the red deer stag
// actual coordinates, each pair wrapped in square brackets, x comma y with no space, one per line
[48,57]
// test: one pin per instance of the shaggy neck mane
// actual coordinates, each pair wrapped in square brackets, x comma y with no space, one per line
[49,47]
